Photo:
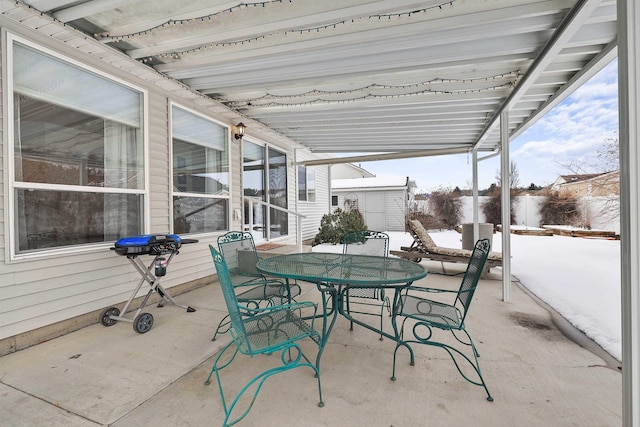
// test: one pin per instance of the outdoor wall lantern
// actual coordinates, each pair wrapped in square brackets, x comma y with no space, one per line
[239,130]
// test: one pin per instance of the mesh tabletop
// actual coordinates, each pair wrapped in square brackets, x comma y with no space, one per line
[360,270]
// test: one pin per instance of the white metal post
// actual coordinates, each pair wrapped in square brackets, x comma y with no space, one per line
[476,227]
[629,106]
[506,206]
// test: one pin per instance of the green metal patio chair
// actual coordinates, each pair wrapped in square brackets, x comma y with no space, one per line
[367,242]
[253,288]
[262,331]
[429,315]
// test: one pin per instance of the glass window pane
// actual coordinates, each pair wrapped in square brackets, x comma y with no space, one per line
[197,130]
[56,145]
[55,81]
[302,183]
[311,185]
[254,185]
[279,225]
[47,219]
[198,169]
[199,215]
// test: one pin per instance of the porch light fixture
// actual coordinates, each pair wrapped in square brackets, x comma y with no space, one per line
[239,130]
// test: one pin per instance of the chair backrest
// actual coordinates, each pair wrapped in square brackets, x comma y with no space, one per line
[367,242]
[239,252]
[237,331]
[419,232]
[472,275]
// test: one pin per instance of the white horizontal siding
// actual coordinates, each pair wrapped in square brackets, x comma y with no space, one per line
[158,155]
[314,211]
[38,292]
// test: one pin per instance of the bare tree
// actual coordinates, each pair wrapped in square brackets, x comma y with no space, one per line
[492,207]
[514,176]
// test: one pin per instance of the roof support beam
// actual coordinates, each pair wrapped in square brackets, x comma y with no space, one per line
[385,156]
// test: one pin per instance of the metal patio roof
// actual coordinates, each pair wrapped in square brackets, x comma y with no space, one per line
[357,76]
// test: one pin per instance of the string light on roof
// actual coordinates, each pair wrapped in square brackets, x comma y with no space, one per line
[426,87]
[252,103]
[106,37]
[309,30]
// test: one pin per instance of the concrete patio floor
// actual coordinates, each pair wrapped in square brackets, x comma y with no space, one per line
[101,376]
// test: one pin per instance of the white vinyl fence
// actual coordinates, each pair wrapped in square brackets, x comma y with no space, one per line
[600,213]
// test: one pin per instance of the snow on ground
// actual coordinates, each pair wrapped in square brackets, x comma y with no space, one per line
[578,277]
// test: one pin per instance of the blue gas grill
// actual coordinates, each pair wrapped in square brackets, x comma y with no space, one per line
[162,247]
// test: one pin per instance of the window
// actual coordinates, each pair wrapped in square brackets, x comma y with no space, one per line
[334,200]
[306,184]
[77,171]
[200,174]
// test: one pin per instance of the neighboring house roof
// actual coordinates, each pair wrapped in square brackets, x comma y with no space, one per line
[565,179]
[370,183]
[579,177]
[348,171]
[600,184]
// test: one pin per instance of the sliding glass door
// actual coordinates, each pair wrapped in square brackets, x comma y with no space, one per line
[264,183]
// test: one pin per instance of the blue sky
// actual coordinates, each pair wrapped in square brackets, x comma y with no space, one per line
[573,132]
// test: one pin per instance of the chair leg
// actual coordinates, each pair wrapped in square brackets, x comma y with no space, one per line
[215,367]
[453,352]
[258,381]
[224,323]
[474,363]
[400,342]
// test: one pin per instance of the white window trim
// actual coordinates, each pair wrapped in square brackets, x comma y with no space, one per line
[8,155]
[173,193]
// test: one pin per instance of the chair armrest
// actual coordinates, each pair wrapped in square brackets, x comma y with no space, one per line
[292,306]
[323,287]
[431,290]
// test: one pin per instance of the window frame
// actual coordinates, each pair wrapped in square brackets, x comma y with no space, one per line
[173,193]
[10,183]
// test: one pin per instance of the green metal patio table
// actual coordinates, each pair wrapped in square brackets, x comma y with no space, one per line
[333,273]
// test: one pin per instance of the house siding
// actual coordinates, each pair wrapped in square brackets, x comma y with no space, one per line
[314,211]
[43,291]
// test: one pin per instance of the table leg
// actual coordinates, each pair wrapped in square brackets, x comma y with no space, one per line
[327,326]
[346,315]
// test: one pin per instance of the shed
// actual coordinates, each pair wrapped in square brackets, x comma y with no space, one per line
[383,202]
